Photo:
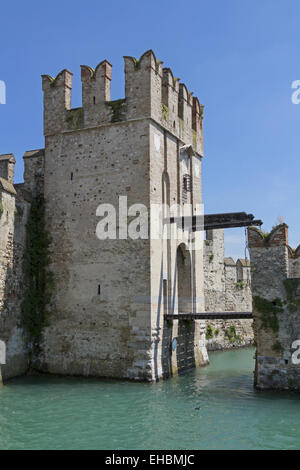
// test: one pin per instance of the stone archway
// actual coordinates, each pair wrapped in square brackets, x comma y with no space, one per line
[184,276]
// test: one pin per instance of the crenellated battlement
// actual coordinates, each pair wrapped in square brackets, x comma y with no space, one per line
[277,242]
[277,237]
[7,167]
[57,99]
[151,91]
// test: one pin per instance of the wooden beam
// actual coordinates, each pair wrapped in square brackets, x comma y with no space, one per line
[210,316]
[215,221]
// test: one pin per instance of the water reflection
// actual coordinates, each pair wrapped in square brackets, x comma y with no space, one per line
[214,407]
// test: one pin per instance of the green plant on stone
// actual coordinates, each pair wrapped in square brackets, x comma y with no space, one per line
[74,117]
[1,208]
[240,285]
[38,279]
[277,347]
[217,331]
[291,287]
[267,236]
[230,334]
[268,312]
[165,112]
[189,323]
[117,107]
[209,332]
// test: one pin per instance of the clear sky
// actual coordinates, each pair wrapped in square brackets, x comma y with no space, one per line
[239,57]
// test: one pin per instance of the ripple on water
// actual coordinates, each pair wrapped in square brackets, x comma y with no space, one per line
[214,407]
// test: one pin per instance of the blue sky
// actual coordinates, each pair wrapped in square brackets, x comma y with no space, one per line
[239,57]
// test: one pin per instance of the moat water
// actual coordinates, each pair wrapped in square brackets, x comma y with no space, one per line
[214,407]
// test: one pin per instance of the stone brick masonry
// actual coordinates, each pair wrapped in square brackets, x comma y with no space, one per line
[227,288]
[276,309]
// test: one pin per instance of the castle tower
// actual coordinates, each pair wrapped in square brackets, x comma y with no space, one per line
[111,294]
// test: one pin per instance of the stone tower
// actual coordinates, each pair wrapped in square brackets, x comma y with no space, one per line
[276,308]
[111,295]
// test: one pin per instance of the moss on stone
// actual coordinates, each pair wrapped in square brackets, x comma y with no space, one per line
[38,279]
[293,301]
[268,312]
[194,139]
[291,286]
[117,107]
[267,235]
[74,117]
[164,112]
[277,347]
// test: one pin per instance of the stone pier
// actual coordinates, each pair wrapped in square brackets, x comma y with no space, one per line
[276,309]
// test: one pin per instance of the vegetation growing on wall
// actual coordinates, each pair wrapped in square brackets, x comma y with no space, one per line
[240,285]
[38,278]
[293,301]
[277,347]
[209,332]
[165,112]
[1,208]
[74,117]
[231,335]
[117,107]
[267,235]
[194,139]
[268,312]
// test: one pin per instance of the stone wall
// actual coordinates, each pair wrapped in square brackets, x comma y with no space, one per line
[276,311]
[109,304]
[227,288]
[15,207]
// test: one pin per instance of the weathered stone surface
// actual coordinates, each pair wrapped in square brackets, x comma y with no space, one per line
[12,243]
[227,287]
[109,299]
[276,294]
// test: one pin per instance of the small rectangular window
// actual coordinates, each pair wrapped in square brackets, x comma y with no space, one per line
[99,289]
[187,186]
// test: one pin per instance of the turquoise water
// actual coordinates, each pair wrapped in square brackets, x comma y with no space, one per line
[211,408]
